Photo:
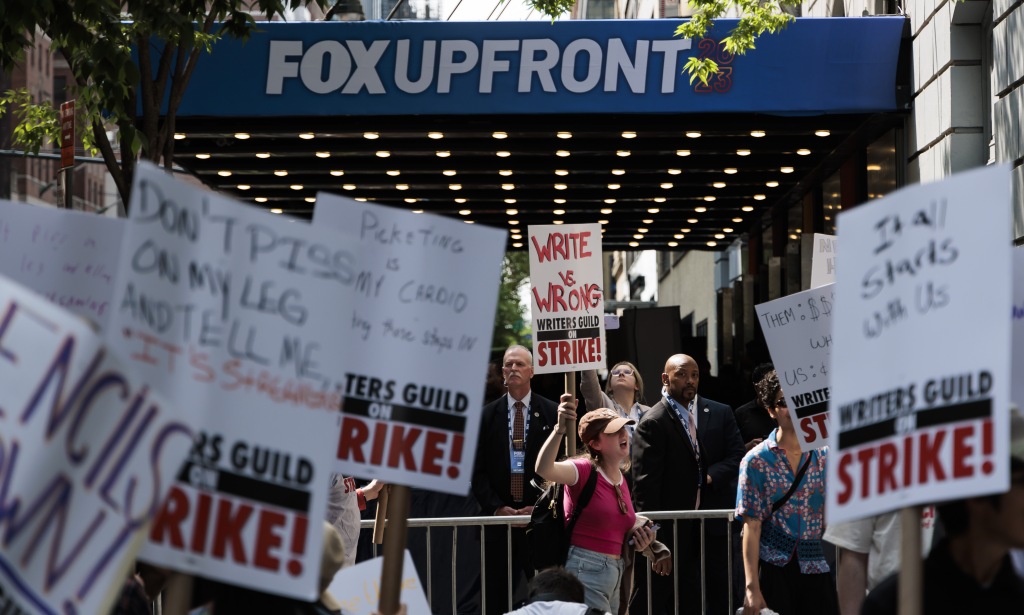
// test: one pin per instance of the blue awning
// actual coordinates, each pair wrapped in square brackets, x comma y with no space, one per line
[814,67]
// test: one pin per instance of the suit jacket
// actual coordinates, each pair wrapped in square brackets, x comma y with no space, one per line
[723,446]
[665,469]
[753,421]
[492,469]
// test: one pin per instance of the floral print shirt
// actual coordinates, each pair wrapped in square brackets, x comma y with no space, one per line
[797,527]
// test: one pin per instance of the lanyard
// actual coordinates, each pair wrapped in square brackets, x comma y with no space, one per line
[511,444]
[686,429]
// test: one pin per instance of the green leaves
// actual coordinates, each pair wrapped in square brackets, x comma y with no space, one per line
[757,17]
[96,37]
[37,124]
[551,8]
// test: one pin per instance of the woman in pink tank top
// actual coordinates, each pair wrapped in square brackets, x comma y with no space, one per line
[606,522]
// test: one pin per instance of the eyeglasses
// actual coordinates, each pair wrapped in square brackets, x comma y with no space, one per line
[625,371]
[622,503]
[781,403]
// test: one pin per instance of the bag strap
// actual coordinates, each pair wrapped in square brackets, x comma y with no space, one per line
[585,495]
[796,483]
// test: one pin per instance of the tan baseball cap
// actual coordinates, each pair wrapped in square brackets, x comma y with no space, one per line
[601,420]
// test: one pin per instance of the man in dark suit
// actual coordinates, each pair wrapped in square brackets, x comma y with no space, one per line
[669,473]
[512,430]
[754,421]
[723,450]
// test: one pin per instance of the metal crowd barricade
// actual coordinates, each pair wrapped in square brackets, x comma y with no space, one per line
[508,522]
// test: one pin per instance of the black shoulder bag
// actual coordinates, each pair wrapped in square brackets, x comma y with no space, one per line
[546,534]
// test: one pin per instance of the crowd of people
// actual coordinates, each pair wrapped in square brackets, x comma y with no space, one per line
[683,453]
[687,452]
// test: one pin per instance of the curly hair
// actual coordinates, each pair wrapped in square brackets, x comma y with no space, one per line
[767,387]
[636,378]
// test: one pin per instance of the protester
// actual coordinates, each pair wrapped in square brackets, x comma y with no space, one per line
[669,471]
[555,591]
[971,570]
[624,392]
[344,502]
[604,527]
[870,552]
[512,430]
[753,419]
[783,560]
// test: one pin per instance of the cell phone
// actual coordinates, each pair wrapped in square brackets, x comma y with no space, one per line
[654,528]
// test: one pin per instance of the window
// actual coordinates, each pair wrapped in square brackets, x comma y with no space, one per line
[881,166]
[600,9]
[832,202]
[701,329]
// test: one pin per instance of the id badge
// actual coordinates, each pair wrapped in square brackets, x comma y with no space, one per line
[518,462]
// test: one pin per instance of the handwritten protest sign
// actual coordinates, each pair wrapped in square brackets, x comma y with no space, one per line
[921,378]
[88,452]
[232,310]
[823,260]
[798,330]
[421,321]
[357,589]
[69,257]
[566,281]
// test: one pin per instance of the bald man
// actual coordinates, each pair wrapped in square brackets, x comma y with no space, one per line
[686,451]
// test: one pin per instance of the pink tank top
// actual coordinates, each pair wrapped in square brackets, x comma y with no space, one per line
[601,527]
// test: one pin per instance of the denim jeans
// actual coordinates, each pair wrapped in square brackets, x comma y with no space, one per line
[601,577]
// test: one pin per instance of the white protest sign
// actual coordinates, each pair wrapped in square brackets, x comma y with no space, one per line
[798,330]
[357,589]
[921,365]
[420,323]
[823,260]
[566,279]
[69,257]
[1017,315]
[232,310]
[88,452]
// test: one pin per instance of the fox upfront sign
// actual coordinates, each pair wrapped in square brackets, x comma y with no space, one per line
[579,67]
[631,66]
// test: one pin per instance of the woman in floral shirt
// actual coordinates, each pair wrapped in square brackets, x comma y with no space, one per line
[782,556]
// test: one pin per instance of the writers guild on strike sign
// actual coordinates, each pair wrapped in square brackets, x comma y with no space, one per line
[240,502]
[917,435]
[398,446]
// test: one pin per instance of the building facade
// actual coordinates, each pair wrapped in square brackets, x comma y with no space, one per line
[963,110]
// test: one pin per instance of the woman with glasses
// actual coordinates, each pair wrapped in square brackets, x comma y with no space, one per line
[781,499]
[605,525]
[623,393]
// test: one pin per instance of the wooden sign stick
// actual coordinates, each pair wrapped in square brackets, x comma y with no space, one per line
[570,430]
[178,594]
[394,551]
[382,513]
[911,577]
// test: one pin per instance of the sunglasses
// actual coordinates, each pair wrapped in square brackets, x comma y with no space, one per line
[780,404]
[624,371]
[618,495]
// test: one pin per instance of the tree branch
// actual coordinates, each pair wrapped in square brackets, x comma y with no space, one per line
[99,134]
